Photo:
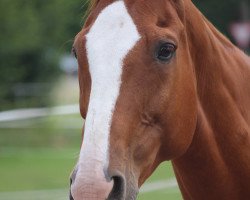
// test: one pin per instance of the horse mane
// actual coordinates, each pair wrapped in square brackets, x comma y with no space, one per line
[92,4]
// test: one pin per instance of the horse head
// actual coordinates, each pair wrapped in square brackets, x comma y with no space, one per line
[137,95]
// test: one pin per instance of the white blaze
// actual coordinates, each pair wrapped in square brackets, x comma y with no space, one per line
[109,40]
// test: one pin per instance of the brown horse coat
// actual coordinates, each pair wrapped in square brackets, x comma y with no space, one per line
[193,110]
[217,164]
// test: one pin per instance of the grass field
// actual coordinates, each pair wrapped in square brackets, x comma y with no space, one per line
[37,156]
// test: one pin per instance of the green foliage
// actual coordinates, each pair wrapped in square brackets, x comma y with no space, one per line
[34,34]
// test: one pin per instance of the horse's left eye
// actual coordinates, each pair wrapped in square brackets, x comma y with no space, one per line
[74,52]
[166,52]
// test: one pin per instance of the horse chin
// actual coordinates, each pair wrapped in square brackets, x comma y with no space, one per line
[131,191]
[132,194]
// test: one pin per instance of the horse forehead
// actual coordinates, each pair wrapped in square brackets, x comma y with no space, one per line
[112,34]
[111,37]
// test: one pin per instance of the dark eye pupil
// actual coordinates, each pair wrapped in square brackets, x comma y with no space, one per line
[166,52]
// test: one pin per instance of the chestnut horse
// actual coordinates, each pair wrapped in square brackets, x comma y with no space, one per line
[158,82]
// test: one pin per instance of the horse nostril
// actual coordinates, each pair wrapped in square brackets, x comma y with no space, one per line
[118,190]
[72,179]
[70,194]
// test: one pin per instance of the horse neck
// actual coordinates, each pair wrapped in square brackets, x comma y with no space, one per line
[222,70]
[218,160]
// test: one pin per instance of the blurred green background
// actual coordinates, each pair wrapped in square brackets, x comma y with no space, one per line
[37,71]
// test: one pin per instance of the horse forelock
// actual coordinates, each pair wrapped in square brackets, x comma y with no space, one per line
[92,4]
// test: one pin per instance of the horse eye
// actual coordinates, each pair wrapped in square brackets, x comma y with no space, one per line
[166,52]
[74,52]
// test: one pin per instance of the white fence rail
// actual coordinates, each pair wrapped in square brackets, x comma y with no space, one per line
[20,114]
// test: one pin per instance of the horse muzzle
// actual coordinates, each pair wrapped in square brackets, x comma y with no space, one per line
[110,188]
